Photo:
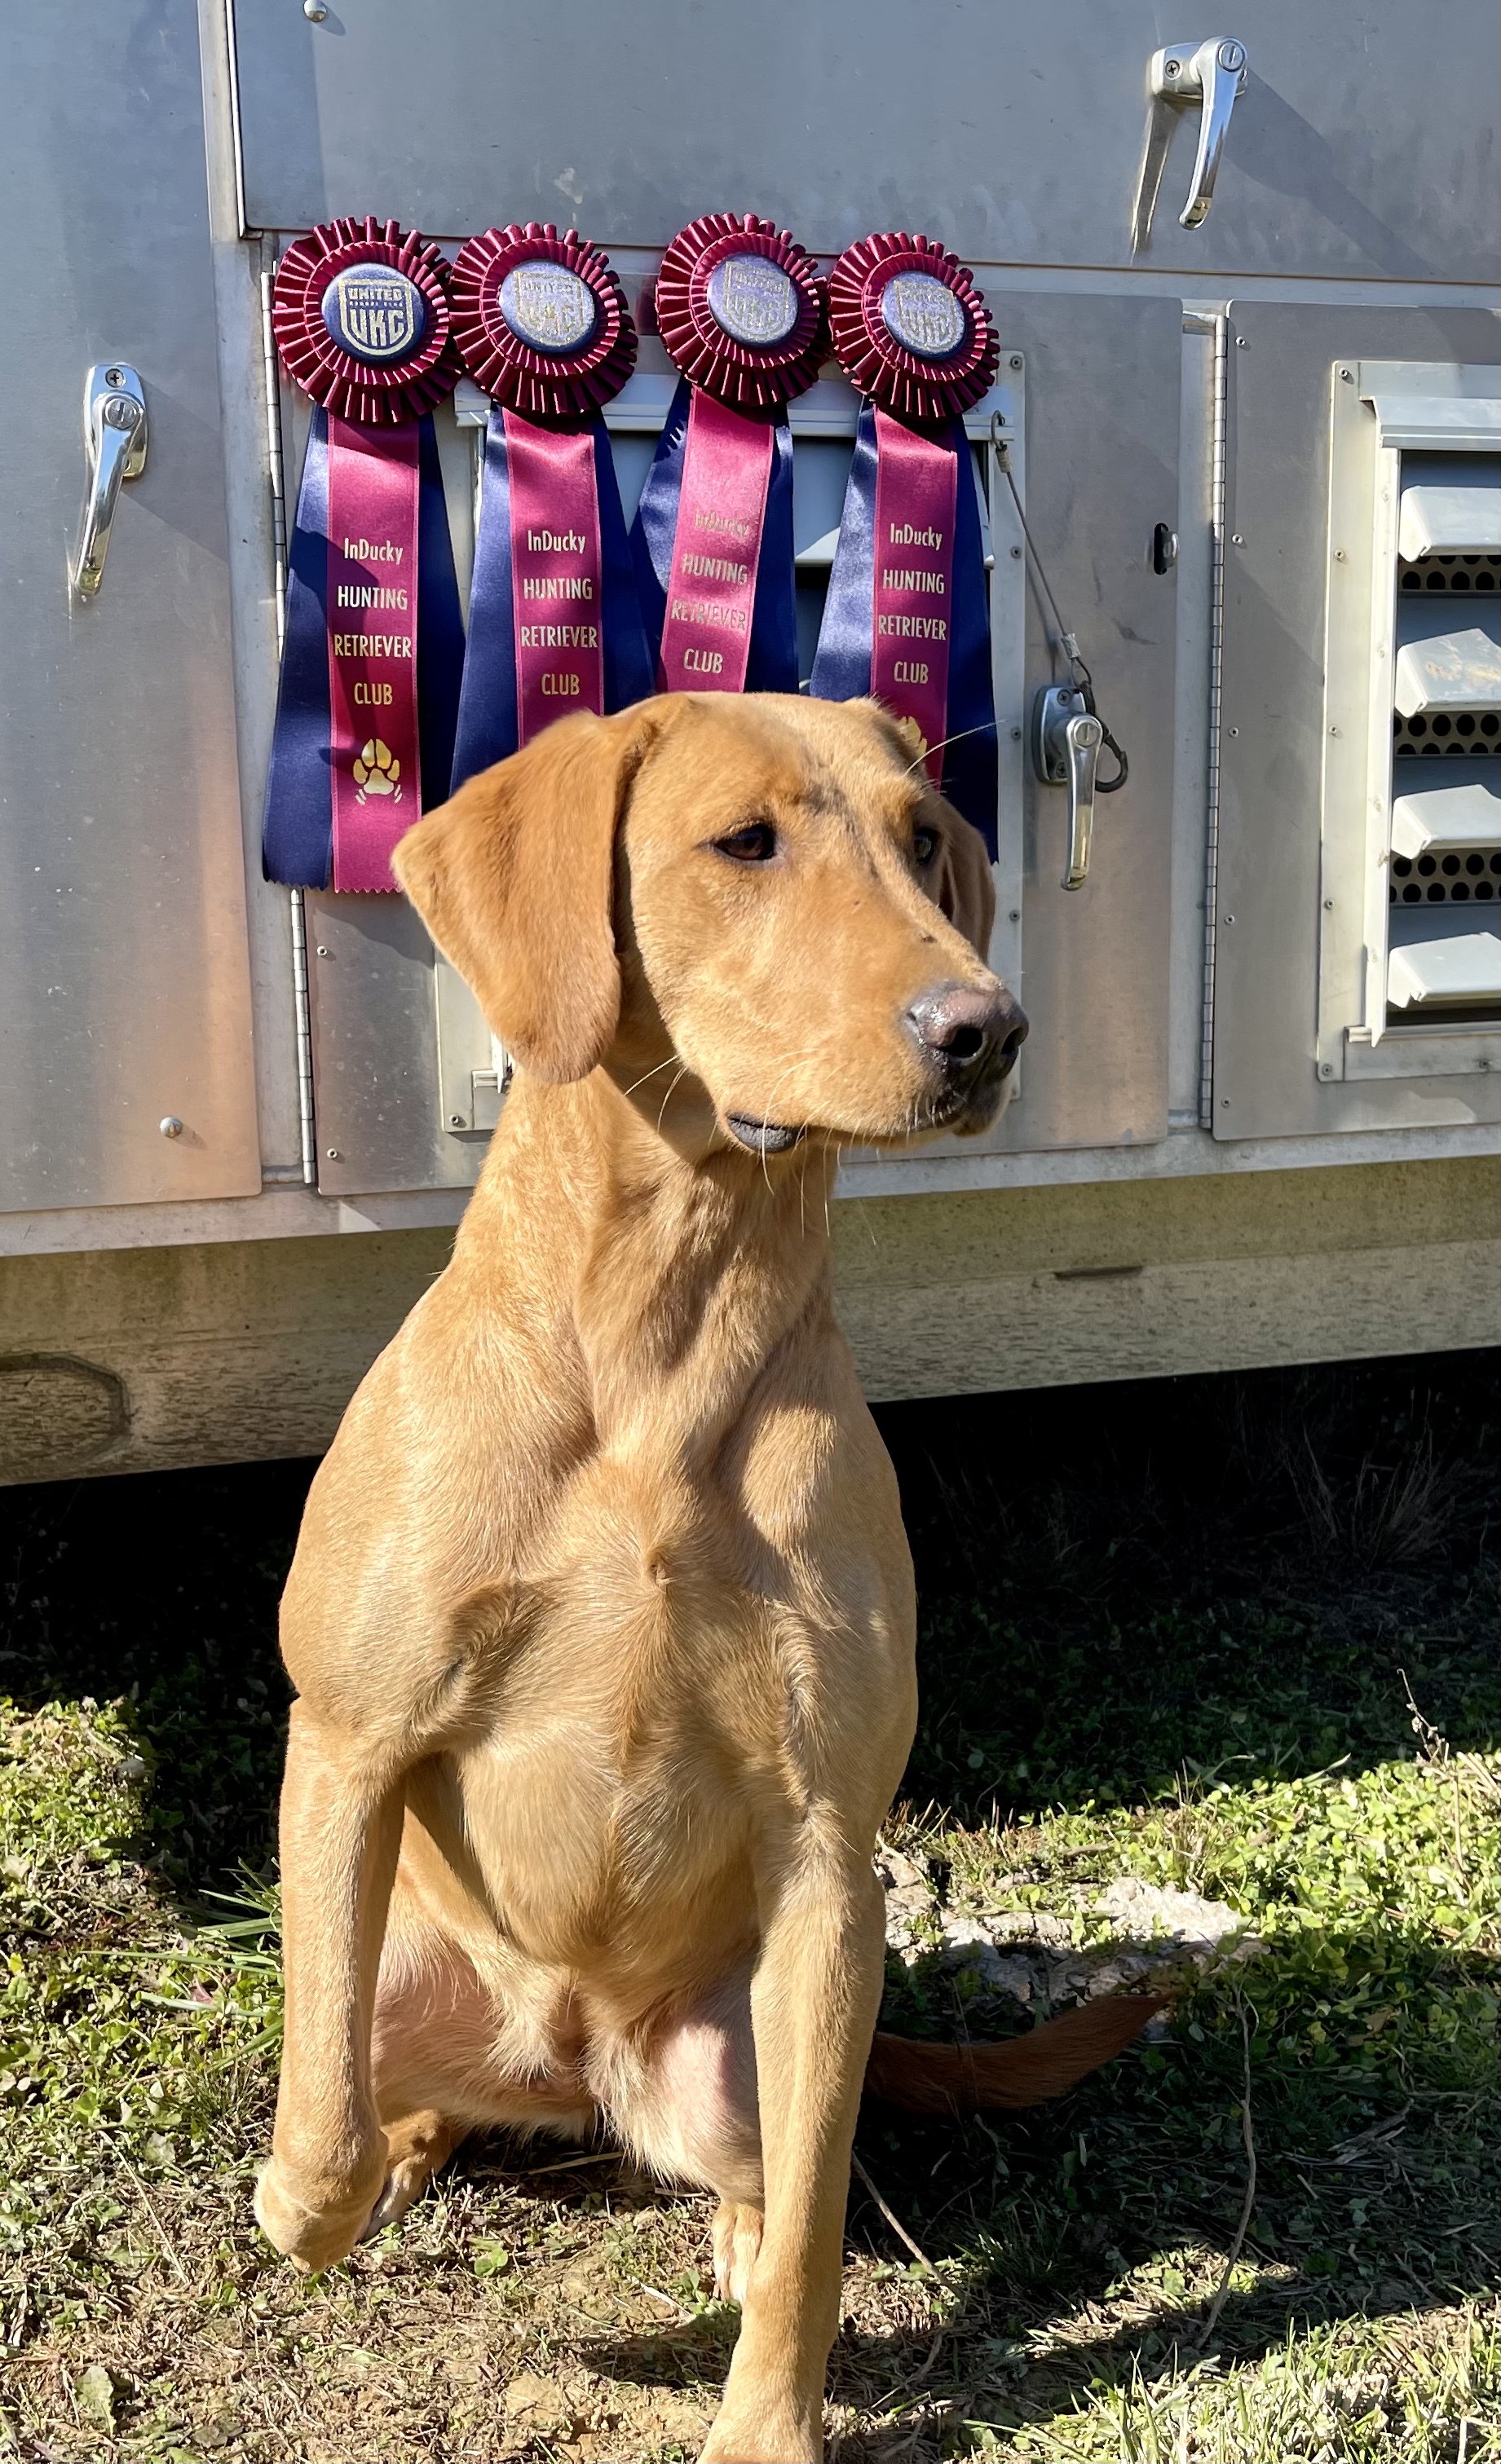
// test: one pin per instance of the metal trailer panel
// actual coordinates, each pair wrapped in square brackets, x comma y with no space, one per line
[1102,379]
[124,994]
[133,1360]
[1012,132]
[1278,550]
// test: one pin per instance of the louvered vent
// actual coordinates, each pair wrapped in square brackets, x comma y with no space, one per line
[1444,925]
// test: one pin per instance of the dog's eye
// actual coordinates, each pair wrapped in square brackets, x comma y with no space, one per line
[755,843]
[924,844]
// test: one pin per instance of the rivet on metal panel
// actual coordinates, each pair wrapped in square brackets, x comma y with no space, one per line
[1326,1069]
[1234,731]
[333,1155]
[322,948]
[1329,903]
[1229,919]
[1340,555]
[1013,915]
[1347,376]
[1016,551]
[1241,342]
[1333,731]
[1016,359]
[171,1126]
[1237,539]
[315,11]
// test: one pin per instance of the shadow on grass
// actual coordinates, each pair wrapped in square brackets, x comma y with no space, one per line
[162,1588]
[1125,1585]
[1127,1593]
[1119,1586]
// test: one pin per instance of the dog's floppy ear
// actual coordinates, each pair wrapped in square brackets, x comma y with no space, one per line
[965,889]
[514,878]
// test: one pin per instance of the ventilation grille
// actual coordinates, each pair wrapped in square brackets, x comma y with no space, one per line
[1444,902]
[1445,880]
[1450,573]
[1463,731]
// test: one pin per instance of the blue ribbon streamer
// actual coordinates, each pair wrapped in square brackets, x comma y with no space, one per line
[772,660]
[440,627]
[487,728]
[842,667]
[297,829]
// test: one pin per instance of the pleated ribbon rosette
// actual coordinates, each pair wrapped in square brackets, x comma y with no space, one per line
[739,308]
[542,325]
[907,616]
[374,638]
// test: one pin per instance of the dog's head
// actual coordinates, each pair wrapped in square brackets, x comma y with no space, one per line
[765,890]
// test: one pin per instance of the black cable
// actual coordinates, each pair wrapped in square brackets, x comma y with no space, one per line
[1068,641]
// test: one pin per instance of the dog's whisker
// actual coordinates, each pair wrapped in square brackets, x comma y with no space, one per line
[796,1062]
[682,1072]
[650,1073]
[942,744]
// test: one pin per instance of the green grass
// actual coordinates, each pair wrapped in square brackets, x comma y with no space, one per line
[1177,1632]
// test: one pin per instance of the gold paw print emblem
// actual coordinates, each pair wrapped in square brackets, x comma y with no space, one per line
[377,772]
[913,733]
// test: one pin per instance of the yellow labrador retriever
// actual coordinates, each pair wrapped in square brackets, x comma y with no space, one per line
[602,1620]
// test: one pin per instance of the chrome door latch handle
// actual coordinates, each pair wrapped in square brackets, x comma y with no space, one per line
[115,439]
[1212,75]
[1066,751]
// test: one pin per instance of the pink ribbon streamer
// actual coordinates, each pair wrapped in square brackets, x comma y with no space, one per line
[716,550]
[915,484]
[556,564]
[372,646]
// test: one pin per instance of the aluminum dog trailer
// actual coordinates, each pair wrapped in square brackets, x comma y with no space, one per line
[1245,284]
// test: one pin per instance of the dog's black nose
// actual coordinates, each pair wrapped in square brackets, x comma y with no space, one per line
[960,1025]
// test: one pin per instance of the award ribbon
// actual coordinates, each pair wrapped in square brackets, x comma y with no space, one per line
[540,323]
[374,639]
[907,616]
[740,309]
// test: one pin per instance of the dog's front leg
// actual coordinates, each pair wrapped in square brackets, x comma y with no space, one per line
[340,1832]
[814,1999]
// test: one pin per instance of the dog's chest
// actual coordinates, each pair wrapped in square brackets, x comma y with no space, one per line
[680,1687]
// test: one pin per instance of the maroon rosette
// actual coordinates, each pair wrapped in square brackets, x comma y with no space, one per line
[392,380]
[911,331]
[739,308]
[540,323]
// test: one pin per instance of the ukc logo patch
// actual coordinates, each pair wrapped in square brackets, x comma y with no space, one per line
[922,313]
[548,307]
[374,312]
[753,301]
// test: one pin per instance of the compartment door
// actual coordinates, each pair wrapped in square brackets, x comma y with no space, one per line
[125,989]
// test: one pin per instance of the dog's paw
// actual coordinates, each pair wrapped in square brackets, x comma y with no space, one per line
[736,2240]
[735,2439]
[317,2225]
[404,2184]
[417,2146]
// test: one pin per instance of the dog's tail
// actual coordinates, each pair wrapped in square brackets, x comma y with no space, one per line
[951,2080]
